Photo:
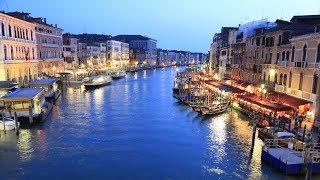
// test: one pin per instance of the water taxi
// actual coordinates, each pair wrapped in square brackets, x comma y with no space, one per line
[118,74]
[97,81]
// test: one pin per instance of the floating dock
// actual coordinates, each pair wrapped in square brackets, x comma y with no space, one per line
[289,160]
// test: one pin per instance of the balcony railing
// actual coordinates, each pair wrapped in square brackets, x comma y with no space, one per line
[283,63]
[302,64]
[314,65]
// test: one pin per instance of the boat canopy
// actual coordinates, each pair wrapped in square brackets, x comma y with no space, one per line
[284,135]
[23,94]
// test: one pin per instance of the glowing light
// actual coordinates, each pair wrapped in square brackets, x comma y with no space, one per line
[272,72]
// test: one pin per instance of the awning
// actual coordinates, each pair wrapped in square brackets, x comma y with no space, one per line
[288,100]
[23,94]
[265,104]
[243,83]
[231,89]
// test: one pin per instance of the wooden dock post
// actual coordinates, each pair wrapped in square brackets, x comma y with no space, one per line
[253,137]
[30,115]
[304,132]
[4,120]
[16,122]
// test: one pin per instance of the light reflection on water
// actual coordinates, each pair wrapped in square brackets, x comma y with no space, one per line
[132,129]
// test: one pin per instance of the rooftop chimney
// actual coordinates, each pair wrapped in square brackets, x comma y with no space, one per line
[45,20]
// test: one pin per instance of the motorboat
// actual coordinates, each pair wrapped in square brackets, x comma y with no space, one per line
[118,74]
[215,109]
[8,124]
[96,81]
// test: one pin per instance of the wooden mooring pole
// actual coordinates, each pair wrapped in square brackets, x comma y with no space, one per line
[4,122]
[30,115]
[16,122]
[253,136]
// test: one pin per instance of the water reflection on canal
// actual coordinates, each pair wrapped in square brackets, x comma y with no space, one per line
[132,129]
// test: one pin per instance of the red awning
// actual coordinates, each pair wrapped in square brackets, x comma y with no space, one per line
[243,83]
[266,104]
[288,100]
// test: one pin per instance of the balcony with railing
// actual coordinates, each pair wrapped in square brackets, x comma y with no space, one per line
[282,63]
[314,65]
[301,64]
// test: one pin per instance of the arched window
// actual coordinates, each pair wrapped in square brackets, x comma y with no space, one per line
[31,35]
[2,29]
[12,54]
[275,78]
[304,55]
[281,79]
[33,55]
[301,81]
[287,56]
[10,33]
[315,84]
[27,34]
[292,54]
[285,80]
[283,55]
[290,79]
[318,53]
[5,52]
[15,32]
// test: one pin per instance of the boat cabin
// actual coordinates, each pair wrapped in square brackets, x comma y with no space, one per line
[26,102]
[50,86]
[7,87]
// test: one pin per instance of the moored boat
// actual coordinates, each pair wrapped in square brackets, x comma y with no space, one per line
[8,124]
[97,81]
[118,74]
[215,109]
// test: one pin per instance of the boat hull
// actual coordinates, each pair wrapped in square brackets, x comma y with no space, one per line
[93,86]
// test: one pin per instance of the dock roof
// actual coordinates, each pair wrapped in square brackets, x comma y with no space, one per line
[23,94]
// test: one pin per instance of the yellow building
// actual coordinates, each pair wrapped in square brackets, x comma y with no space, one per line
[18,51]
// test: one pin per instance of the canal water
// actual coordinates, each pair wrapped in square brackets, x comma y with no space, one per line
[132,129]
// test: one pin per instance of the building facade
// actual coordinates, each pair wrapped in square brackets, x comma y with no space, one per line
[50,46]
[70,51]
[117,54]
[283,56]
[18,50]
[143,49]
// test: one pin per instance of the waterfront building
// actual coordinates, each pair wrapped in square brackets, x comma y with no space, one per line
[18,50]
[281,56]
[163,58]
[49,44]
[172,56]
[117,54]
[94,56]
[70,51]
[144,49]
